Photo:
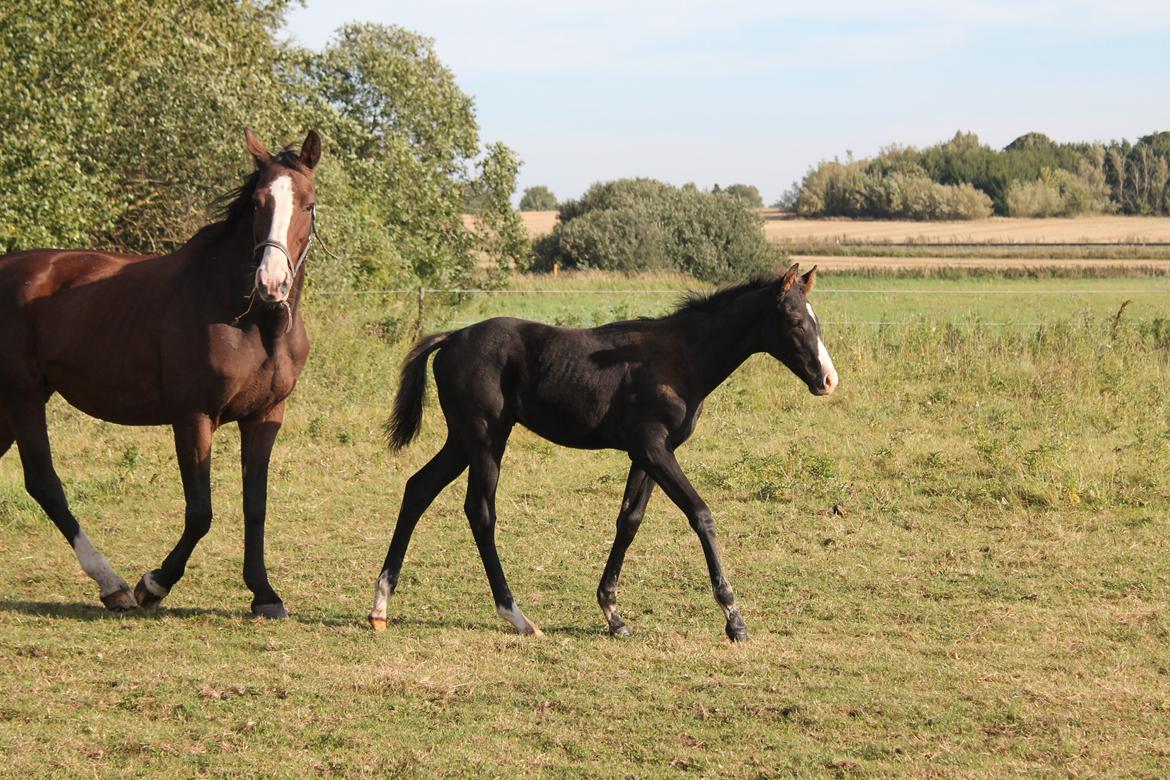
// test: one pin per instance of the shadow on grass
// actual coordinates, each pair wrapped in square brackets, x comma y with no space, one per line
[92,612]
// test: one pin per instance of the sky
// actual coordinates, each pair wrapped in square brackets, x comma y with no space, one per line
[757,92]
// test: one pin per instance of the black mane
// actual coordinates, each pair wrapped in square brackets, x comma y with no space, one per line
[235,205]
[694,302]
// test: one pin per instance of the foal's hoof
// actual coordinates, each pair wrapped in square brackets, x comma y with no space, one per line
[736,629]
[121,600]
[377,623]
[618,629]
[270,611]
[148,592]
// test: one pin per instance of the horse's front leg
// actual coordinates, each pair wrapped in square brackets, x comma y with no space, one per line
[193,448]
[257,435]
[659,461]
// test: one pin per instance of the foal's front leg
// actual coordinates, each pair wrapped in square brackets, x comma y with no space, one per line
[661,464]
[193,448]
[257,436]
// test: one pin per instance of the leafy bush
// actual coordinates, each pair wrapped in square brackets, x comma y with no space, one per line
[854,189]
[643,224]
[538,198]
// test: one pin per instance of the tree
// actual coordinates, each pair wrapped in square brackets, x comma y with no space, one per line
[538,198]
[748,193]
[122,122]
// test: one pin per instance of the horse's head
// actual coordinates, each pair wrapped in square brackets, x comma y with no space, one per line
[283,203]
[796,339]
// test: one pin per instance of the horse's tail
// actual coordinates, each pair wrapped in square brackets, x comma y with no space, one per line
[404,423]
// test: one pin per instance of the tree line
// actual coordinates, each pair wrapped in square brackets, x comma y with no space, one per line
[961,178]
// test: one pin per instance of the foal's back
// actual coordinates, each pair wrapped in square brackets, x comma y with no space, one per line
[572,386]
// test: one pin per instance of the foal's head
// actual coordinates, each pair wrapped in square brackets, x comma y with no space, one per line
[795,339]
[283,200]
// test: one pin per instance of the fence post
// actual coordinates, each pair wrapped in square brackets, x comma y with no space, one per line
[422,297]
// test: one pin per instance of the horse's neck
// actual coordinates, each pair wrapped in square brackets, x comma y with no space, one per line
[223,259]
[722,340]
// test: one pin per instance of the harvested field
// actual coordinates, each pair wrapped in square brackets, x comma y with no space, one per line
[784,229]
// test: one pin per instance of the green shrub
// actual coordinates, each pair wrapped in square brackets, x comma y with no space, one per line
[641,224]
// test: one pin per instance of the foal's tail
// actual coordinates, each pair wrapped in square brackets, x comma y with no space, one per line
[404,423]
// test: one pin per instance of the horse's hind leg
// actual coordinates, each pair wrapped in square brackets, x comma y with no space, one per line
[421,490]
[480,507]
[638,489]
[27,424]
[193,448]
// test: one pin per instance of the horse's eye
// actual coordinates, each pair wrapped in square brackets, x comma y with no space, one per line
[310,207]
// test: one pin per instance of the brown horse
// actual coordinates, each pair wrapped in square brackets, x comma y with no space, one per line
[207,335]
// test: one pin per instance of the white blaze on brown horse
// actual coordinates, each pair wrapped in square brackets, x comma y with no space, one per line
[173,340]
[635,386]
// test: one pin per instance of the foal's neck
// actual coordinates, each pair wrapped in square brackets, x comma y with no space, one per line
[723,338]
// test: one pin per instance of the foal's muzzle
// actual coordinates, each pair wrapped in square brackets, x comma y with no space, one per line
[825,384]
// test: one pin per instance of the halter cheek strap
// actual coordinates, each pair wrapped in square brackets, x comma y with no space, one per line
[293,268]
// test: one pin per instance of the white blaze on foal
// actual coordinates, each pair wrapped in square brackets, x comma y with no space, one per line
[274,273]
[827,366]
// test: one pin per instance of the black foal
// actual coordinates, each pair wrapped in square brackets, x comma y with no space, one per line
[636,386]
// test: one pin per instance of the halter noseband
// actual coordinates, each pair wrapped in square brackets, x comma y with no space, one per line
[293,268]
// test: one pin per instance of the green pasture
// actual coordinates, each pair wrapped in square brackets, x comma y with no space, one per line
[990,596]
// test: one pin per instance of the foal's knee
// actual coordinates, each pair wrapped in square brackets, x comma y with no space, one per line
[702,522]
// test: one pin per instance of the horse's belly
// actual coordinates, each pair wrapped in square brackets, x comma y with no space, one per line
[116,400]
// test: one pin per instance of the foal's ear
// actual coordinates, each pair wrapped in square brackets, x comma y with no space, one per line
[789,278]
[256,148]
[809,280]
[311,150]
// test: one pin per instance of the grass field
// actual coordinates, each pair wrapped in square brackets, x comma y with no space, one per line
[993,601]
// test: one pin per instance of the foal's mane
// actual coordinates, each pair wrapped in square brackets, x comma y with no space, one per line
[694,302]
[235,206]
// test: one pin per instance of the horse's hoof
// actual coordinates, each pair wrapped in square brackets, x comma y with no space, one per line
[270,611]
[146,592]
[532,630]
[377,623]
[121,600]
[737,630]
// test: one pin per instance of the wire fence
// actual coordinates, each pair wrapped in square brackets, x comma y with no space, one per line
[421,293]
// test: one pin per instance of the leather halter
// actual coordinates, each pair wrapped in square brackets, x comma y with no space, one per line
[293,268]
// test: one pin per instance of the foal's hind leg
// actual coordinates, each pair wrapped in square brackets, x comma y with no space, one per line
[421,489]
[480,507]
[638,489]
[27,424]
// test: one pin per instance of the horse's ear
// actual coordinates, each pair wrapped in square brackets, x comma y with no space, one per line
[256,148]
[809,281]
[311,150]
[789,278]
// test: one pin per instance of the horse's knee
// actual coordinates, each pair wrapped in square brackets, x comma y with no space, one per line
[198,523]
